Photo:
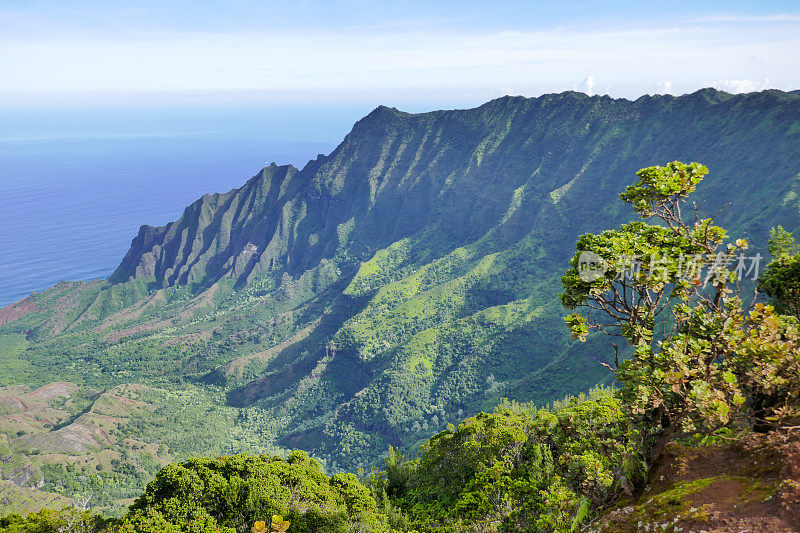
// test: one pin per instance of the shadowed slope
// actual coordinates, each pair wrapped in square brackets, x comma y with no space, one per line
[410,276]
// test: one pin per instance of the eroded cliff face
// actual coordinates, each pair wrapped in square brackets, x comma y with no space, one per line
[456,174]
[412,274]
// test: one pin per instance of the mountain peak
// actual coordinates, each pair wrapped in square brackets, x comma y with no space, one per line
[415,266]
[709,94]
[385,111]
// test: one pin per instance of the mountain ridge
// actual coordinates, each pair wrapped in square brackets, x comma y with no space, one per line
[411,275]
[174,268]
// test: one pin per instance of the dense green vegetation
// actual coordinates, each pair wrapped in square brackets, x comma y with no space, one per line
[781,280]
[713,366]
[699,353]
[522,467]
[406,281]
[230,494]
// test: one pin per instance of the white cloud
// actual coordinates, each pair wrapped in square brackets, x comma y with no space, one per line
[781,17]
[741,86]
[587,85]
[664,87]
[401,62]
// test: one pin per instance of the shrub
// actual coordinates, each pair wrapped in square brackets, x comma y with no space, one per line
[233,493]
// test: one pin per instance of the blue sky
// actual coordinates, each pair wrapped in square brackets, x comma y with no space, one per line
[415,54]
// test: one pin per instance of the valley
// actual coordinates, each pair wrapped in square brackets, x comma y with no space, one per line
[402,283]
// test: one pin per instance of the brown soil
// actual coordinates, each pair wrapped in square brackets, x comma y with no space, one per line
[752,485]
[72,292]
[17,310]
[54,390]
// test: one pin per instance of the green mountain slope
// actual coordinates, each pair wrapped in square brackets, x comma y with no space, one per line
[404,281]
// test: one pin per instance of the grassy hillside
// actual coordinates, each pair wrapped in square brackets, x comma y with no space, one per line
[401,283]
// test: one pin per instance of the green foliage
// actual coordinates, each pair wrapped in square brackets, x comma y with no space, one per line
[577,326]
[658,186]
[520,468]
[782,243]
[766,361]
[681,382]
[236,492]
[781,279]
[23,500]
[51,521]
[707,360]
[425,247]
[686,384]
[517,469]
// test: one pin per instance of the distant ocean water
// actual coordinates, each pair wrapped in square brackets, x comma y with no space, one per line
[69,206]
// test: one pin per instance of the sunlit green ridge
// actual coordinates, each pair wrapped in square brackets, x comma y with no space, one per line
[400,283]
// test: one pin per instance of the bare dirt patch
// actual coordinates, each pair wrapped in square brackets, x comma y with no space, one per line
[54,390]
[15,311]
[749,485]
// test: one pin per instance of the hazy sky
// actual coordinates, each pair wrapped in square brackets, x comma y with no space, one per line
[309,51]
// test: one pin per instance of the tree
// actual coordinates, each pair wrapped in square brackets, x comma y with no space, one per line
[253,493]
[666,288]
[781,279]
[766,360]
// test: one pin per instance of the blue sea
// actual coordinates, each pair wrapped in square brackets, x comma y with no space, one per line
[75,185]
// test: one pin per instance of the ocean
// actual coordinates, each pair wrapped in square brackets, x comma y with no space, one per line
[72,199]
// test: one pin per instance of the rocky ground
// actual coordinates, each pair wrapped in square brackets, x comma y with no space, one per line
[752,485]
